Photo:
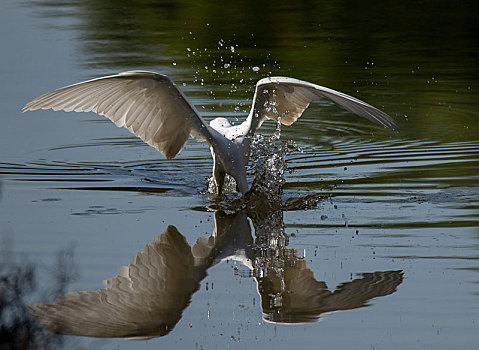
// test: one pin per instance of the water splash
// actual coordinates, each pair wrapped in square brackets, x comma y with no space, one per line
[229,185]
[268,165]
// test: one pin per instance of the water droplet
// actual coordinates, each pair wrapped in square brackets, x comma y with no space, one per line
[226,65]
[255,69]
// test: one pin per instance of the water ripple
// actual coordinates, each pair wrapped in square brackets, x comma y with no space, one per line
[388,171]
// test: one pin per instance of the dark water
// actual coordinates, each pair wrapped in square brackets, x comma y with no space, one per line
[388,259]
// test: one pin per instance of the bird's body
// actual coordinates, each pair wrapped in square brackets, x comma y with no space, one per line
[152,107]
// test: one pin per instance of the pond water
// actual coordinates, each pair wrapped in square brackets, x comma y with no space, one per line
[388,255]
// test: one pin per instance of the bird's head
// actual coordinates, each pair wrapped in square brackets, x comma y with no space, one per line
[220,123]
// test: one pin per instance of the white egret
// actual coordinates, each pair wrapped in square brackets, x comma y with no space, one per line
[151,106]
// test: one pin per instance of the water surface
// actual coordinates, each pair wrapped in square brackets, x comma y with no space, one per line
[401,206]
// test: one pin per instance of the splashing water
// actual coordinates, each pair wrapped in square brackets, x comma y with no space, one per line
[268,168]
[268,164]
[229,185]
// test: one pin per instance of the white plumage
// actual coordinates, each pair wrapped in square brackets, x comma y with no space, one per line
[152,107]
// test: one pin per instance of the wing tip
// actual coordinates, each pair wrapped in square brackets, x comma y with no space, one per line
[396,128]
[392,124]
[29,107]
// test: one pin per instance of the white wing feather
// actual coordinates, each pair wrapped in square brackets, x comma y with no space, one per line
[288,98]
[148,104]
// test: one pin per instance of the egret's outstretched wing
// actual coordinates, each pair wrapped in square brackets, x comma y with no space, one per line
[288,98]
[148,104]
[146,299]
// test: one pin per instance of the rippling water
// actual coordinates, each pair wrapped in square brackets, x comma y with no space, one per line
[377,232]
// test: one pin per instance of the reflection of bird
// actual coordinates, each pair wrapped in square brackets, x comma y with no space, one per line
[147,297]
[152,107]
[304,299]
[145,300]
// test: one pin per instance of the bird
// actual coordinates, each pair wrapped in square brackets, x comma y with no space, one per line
[152,107]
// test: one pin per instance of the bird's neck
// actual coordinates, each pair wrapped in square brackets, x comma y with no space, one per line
[252,123]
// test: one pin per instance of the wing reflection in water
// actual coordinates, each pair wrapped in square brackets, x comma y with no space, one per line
[290,293]
[147,297]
